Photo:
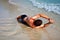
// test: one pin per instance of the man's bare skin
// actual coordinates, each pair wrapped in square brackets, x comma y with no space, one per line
[30,20]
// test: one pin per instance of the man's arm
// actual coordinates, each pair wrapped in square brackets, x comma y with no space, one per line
[44,16]
[40,15]
[50,22]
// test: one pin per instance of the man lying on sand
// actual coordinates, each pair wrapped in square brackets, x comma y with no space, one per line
[34,22]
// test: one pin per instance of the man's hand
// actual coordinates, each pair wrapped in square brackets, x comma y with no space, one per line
[51,20]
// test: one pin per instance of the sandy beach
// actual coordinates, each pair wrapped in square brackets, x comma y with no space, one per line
[10,29]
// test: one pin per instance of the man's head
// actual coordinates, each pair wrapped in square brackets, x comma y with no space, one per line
[37,22]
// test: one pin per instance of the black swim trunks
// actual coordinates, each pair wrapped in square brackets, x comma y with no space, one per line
[21,20]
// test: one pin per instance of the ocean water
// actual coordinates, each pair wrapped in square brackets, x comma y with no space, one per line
[48,5]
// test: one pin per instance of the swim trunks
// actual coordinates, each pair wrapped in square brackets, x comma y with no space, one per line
[21,20]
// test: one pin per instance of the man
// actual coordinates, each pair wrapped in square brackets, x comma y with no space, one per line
[34,22]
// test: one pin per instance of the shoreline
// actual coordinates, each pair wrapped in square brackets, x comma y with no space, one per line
[32,6]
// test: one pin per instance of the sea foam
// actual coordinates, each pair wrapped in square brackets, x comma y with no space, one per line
[47,6]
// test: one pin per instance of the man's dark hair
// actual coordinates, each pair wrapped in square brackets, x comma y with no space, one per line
[37,22]
[23,16]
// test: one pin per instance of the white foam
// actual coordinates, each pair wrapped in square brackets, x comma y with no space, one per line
[48,7]
[10,1]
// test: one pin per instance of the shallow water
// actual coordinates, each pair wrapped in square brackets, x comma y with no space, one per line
[10,29]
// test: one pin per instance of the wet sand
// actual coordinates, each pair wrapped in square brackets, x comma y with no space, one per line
[10,29]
